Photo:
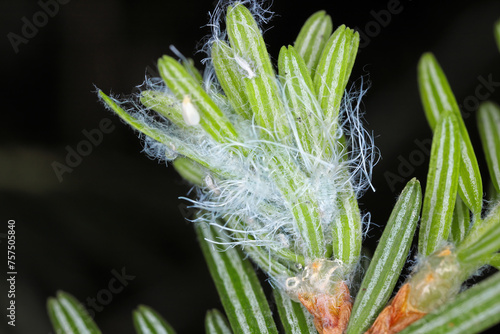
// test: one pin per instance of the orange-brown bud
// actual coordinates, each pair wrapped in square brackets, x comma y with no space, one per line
[331,312]
[397,315]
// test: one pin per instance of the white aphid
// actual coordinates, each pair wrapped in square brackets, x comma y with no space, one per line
[245,66]
[189,112]
[210,182]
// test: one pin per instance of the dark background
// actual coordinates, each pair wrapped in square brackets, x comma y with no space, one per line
[120,209]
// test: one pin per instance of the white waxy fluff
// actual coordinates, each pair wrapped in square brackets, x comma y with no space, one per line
[243,190]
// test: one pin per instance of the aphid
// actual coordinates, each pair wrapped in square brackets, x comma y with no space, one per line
[210,182]
[189,112]
[245,66]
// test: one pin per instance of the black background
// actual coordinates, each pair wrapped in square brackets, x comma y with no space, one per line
[120,209]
